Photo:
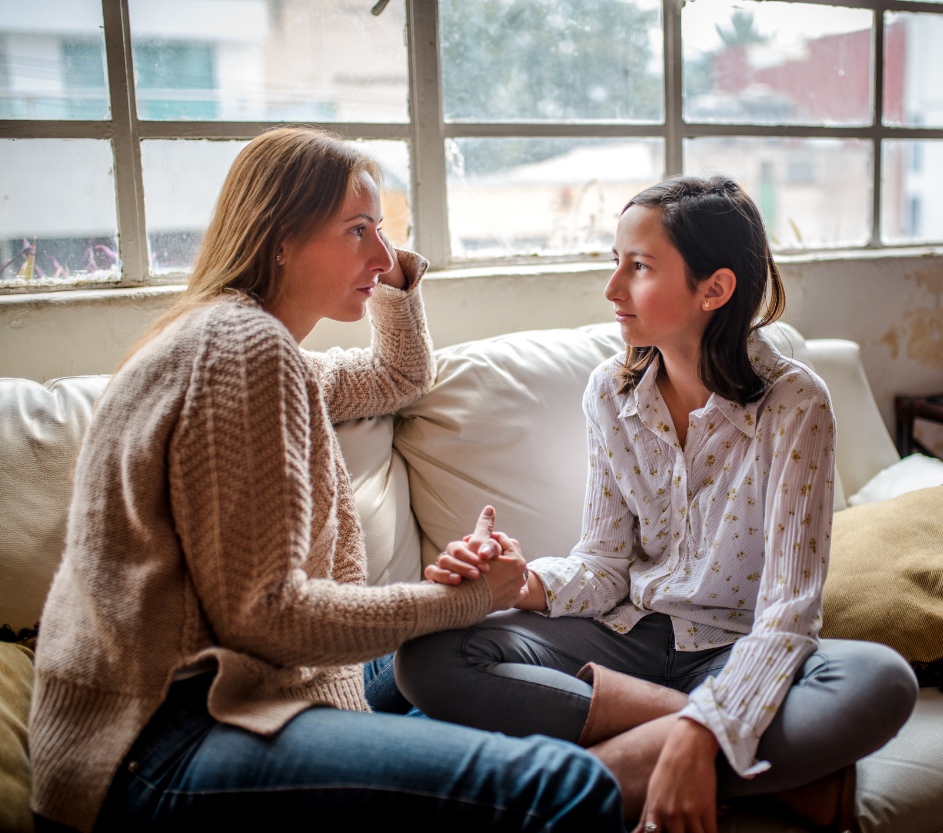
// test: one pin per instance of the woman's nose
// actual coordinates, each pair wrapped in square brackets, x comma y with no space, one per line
[383,256]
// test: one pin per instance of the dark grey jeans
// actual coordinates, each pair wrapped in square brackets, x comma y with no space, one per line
[515,673]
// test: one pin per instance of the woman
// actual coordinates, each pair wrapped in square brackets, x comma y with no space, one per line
[678,640]
[202,645]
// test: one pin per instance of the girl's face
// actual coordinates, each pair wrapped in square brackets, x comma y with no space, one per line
[332,274]
[649,288]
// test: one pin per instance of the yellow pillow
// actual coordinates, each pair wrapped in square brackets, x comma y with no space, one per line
[16,686]
[885,578]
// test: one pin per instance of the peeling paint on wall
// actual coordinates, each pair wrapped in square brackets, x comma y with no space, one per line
[921,334]
[892,339]
[932,281]
[925,336]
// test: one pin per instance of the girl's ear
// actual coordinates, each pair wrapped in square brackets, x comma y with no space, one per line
[717,289]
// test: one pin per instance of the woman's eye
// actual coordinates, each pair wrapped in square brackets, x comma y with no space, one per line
[358,231]
[639,267]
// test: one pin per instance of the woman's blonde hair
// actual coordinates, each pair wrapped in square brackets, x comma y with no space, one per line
[287,183]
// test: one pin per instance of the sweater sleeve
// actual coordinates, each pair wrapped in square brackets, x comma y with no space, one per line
[254,486]
[399,365]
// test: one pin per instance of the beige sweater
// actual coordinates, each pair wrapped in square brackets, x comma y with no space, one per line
[212,518]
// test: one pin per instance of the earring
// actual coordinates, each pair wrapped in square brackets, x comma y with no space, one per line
[706,305]
[280,259]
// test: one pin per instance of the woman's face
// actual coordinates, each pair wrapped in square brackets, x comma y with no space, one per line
[334,272]
[649,289]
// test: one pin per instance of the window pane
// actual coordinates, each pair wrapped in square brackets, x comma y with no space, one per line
[911,211]
[553,60]
[543,196]
[812,192]
[182,179]
[52,60]
[272,60]
[913,62]
[58,221]
[776,63]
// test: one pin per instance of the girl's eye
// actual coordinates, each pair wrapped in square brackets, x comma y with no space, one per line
[358,231]
[640,267]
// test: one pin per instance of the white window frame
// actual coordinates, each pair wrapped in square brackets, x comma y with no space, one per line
[427,131]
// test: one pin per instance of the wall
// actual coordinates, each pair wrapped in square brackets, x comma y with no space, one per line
[891,305]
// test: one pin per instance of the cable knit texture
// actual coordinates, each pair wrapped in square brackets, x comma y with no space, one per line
[213,521]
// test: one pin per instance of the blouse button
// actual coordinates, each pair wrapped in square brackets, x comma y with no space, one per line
[133,766]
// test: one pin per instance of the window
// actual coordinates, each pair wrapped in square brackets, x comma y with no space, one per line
[508,129]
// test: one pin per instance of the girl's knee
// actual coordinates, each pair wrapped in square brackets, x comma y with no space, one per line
[886,684]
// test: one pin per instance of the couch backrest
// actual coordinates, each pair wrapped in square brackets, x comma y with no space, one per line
[41,427]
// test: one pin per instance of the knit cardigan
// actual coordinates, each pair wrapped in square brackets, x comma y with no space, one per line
[212,521]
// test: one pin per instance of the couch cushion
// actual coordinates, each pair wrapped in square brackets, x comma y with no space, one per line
[16,686]
[900,787]
[916,471]
[504,425]
[885,578]
[41,427]
[381,492]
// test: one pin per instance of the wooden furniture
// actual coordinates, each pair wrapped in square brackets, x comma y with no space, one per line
[908,409]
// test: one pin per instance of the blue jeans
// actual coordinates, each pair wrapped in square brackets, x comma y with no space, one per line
[515,672]
[333,767]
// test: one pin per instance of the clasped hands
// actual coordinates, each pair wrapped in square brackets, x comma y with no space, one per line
[488,555]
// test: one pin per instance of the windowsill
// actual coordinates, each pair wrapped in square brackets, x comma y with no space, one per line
[544,268]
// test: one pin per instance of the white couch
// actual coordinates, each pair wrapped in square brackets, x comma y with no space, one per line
[502,425]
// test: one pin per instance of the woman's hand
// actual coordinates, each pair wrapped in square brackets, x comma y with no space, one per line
[468,558]
[682,792]
[395,277]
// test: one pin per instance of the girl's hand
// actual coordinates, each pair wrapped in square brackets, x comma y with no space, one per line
[468,558]
[507,580]
[395,277]
[682,792]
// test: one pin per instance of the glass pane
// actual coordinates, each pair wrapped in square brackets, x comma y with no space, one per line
[913,62]
[552,60]
[52,60]
[182,179]
[58,223]
[543,196]
[271,60]
[776,63]
[812,192]
[911,211]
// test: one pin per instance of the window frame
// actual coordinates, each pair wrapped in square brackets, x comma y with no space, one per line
[427,132]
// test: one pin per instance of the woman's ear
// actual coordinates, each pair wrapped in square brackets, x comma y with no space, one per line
[717,289]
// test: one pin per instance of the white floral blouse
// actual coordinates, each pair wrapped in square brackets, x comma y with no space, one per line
[729,536]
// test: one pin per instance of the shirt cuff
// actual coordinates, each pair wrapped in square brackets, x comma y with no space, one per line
[737,740]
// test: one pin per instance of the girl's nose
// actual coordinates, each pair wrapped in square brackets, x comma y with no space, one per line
[613,287]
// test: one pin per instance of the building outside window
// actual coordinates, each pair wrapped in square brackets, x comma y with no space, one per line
[508,129]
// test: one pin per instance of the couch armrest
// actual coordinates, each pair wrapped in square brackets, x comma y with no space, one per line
[864,446]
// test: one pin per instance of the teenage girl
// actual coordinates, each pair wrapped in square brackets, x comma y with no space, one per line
[678,640]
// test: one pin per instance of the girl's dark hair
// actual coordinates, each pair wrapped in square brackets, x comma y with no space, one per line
[714,224]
